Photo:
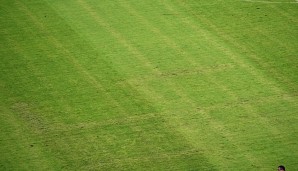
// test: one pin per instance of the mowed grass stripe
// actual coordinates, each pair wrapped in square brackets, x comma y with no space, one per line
[217,125]
[234,56]
[21,126]
[88,75]
[58,45]
[70,55]
[266,121]
[34,141]
[62,144]
[285,45]
[176,90]
[57,95]
[175,47]
[102,40]
[278,91]
[180,107]
[186,56]
[292,98]
[117,35]
[178,49]
[282,44]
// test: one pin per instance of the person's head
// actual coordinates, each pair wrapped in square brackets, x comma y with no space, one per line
[281,168]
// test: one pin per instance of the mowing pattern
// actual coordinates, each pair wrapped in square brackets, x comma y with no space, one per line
[148,85]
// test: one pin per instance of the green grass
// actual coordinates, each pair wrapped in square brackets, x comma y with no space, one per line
[148,85]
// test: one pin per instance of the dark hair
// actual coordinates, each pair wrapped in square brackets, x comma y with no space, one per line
[282,168]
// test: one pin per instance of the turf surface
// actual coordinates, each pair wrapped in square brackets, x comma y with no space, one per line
[148,85]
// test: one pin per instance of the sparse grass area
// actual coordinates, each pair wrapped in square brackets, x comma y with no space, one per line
[148,85]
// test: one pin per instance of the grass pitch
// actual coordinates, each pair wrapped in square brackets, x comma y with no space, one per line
[148,85]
